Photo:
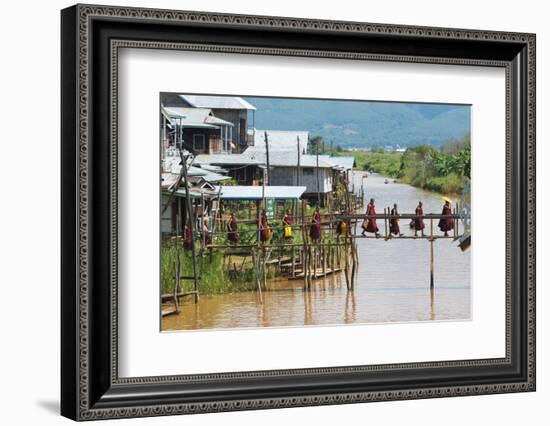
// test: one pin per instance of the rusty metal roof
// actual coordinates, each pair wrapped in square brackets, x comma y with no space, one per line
[256,193]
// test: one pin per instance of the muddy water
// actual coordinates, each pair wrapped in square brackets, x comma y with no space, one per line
[393,281]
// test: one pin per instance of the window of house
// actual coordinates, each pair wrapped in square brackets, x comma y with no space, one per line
[242,131]
[199,143]
[241,174]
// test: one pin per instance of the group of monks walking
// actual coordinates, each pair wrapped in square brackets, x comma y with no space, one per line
[263,227]
[265,231]
[369,225]
[445,224]
[205,232]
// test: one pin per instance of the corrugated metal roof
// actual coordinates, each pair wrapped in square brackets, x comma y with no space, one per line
[256,156]
[215,177]
[193,192]
[215,169]
[166,115]
[195,171]
[255,192]
[195,117]
[207,175]
[282,139]
[217,102]
[287,158]
[347,163]
[168,180]
[231,159]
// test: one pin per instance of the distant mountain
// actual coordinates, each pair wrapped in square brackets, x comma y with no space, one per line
[361,124]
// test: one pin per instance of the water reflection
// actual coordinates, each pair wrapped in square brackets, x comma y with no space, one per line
[392,285]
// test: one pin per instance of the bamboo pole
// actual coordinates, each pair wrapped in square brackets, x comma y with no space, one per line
[311,255]
[298,168]
[218,212]
[318,183]
[255,259]
[323,260]
[457,221]
[431,254]
[267,161]
[191,218]
[353,272]
[305,259]
[338,253]
[176,283]
[385,225]
[346,263]
[203,245]
[264,266]
[293,267]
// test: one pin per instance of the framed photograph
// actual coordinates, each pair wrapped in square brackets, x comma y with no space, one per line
[263,212]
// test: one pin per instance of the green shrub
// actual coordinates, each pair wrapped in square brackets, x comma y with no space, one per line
[450,184]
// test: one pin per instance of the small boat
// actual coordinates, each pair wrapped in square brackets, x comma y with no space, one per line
[386,181]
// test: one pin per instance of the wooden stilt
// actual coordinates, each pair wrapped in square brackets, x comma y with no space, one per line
[191,218]
[176,283]
[323,260]
[293,264]
[255,260]
[385,225]
[431,255]
[305,257]
[346,263]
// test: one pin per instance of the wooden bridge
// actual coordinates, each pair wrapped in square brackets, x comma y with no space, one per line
[303,258]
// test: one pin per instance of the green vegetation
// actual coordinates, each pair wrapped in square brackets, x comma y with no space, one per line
[384,163]
[229,182]
[213,278]
[442,170]
[223,274]
[450,184]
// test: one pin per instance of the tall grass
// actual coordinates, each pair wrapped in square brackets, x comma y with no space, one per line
[213,278]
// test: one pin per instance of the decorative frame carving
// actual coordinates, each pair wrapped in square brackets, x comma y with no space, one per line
[82,398]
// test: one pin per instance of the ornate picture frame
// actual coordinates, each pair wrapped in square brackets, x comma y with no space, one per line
[91,38]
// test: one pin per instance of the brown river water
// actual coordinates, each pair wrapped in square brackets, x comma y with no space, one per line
[393,282]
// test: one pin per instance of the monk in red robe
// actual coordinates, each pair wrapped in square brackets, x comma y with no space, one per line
[315,228]
[187,238]
[341,228]
[369,224]
[446,224]
[263,226]
[287,224]
[394,223]
[419,220]
[232,229]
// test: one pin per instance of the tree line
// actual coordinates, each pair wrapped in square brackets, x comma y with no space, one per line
[443,169]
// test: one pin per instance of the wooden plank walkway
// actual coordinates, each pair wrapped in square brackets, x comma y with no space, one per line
[319,273]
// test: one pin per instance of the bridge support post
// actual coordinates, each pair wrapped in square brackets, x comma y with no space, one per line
[432,254]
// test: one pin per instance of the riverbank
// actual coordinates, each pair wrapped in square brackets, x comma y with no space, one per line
[422,167]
